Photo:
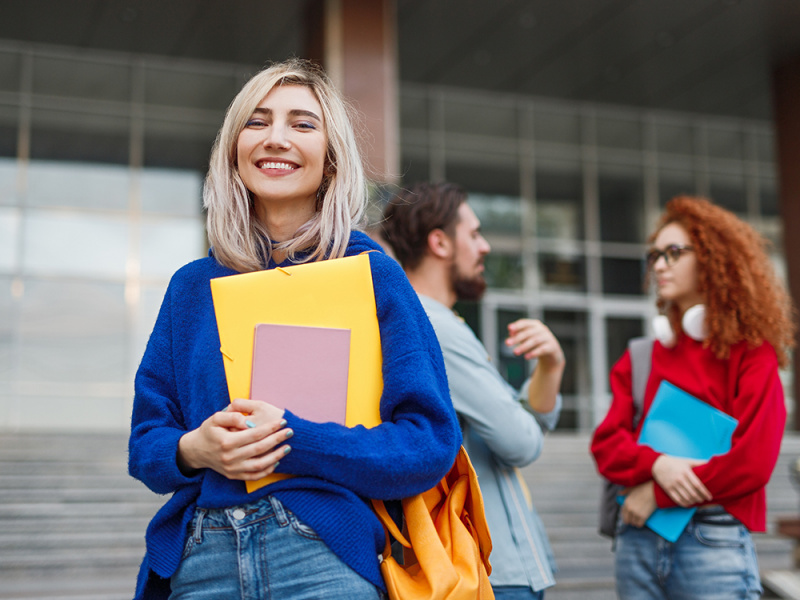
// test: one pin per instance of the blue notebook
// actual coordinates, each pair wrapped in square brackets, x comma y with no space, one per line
[679,424]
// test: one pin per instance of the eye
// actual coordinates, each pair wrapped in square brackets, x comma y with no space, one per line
[305,125]
[652,257]
[673,252]
[256,122]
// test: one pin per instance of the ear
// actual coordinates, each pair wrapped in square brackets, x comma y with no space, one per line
[439,244]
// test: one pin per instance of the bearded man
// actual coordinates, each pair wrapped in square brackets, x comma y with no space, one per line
[436,237]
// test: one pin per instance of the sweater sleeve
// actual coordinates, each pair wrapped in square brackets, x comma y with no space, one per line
[416,444]
[157,422]
[619,457]
[758,405]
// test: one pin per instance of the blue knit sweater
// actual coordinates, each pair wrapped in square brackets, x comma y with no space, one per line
[181,382]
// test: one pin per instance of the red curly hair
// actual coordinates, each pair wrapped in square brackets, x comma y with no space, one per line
[744,299]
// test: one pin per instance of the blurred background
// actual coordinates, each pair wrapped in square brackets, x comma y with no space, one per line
[570,122]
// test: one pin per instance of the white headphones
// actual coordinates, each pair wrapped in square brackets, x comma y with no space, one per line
[693,324]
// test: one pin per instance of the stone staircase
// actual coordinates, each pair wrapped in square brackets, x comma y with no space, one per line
[72,522]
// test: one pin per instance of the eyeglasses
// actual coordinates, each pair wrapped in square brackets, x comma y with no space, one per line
[671,254]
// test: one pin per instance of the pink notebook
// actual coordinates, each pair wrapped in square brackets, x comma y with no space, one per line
[303,369]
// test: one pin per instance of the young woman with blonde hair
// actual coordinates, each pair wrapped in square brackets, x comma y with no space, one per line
[726,327]
[285,186]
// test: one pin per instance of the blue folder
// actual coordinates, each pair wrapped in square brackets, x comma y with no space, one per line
[679,424]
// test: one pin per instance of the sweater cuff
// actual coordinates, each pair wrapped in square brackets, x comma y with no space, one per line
[644,463]
[662,498]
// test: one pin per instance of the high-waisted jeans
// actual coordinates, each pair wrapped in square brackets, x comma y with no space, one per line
[261,551]
[713,559]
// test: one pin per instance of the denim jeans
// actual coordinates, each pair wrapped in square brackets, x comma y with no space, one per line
[516,592]
[261,551]
[713,559]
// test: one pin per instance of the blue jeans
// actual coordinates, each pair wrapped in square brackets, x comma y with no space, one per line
[516,592]
[261,551]
[713,559]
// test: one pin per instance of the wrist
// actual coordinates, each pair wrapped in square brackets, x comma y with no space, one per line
[186,459]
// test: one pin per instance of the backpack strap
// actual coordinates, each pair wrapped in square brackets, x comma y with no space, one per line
[641,353]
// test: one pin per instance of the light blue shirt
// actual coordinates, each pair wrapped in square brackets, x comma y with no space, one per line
[501,433]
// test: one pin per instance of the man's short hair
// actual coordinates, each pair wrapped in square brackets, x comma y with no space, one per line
[413,213]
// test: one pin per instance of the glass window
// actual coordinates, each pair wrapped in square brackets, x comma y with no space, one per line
[57,135]
[10,71]
[504,270]
[172,191]
[564,272]
[8,181]
[728,190]
[414,111]
[168,244]
[514,369]
[497,213]
[193,89]
[769,198]
[73,332]
[471,313]
[674,183]
[475,116]
[416,168]
[623,276]
[674,138]
[571,330]
[75,244]
[618,331]
[621,206]
[9,238]
[80,78]
[619,133]
[178,145]
[79,185]
[559,202]
[765,146]
[9,116]
[725,143]
[557,126]
[7,320]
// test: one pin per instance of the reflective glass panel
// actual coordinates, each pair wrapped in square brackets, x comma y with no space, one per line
[557,126]
[559,202]
[497,213]
[9,238]
[57,135]
[78,185]
[10,71]
[674,138]
[178,145]
[81,78]
[674,183]
[415,168]
[504,270]
[571,330]
[725,143]
[729,191]
[195,89]
[75,244]
[9,117]
[563,272]
[414,111]
[172,191]
[619,133]
[623,276]
[8,181]
[7,319]
[621,206]
[169,244]
[475,116]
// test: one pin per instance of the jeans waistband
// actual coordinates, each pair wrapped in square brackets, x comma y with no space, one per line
[714,515]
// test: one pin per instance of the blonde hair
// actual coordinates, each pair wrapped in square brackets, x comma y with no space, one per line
[240,241]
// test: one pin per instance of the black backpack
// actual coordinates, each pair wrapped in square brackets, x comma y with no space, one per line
[641,352]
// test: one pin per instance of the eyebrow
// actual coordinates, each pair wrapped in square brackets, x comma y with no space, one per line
[297,112]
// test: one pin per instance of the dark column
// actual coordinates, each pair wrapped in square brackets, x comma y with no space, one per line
[786,90]
[356,42]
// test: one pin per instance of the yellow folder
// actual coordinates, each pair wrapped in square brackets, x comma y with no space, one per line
[330,293]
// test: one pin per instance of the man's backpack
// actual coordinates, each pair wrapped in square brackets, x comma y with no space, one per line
[641,352]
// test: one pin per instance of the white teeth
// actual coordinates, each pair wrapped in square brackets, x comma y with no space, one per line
[275,165]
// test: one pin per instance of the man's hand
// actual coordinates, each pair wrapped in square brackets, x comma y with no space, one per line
[533,339]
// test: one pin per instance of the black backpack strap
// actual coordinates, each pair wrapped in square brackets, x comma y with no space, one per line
[641,353]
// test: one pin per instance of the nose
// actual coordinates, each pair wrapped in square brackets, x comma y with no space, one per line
[275,136]
[485,248]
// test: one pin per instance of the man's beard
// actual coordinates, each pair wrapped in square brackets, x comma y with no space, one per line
[468,289]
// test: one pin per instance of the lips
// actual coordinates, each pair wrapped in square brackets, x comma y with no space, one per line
[279,165]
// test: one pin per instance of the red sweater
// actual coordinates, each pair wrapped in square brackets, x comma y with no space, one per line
[745,386]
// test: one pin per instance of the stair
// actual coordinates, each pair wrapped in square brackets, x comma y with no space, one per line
[72,521]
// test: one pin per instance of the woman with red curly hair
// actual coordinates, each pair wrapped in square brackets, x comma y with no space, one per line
[725,328]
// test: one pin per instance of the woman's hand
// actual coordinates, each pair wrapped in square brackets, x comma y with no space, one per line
[679,481]
[640,503]
[244,441]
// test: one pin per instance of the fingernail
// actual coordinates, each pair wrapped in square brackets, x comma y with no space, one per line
[275,466]
[283,423]
[289,433]
[226,408]
[250,424]
[287,449]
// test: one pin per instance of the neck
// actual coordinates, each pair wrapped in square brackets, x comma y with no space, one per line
[432,279]
[282,220]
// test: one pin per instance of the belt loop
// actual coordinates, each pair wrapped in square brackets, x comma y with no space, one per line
[280,511]
[198,525]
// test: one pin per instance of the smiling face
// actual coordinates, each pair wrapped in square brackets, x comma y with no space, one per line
[280,155]
[677,282]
